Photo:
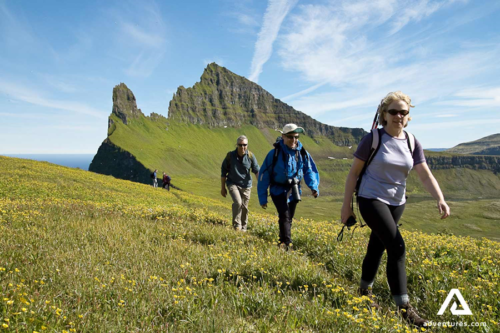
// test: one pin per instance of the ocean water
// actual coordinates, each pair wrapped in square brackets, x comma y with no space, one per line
[437,149]
[81,161]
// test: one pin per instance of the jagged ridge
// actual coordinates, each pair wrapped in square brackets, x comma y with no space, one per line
[222,98]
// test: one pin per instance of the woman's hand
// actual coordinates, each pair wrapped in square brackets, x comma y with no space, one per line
[444,209]
[346,213]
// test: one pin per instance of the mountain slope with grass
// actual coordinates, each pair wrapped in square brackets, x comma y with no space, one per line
[192,150]
[84,252]
[489,145]
[223,98]
[191,144]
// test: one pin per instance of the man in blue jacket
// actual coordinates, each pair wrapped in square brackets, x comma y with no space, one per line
[235,173]
[283,170]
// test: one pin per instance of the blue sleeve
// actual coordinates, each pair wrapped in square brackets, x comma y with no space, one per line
[264,178]
[311,174]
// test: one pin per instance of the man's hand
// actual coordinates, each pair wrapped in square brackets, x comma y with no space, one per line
[223,192]
[264,206]
[314,193]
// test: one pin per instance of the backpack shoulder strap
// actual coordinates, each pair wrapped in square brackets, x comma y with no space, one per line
[228,159]
[277,150]
[250,155]
[375,145]
[303,152]
[376,139]
[411,141]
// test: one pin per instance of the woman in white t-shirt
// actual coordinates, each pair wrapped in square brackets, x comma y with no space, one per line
[382,198]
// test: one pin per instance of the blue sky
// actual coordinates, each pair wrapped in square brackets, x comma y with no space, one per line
[332,59]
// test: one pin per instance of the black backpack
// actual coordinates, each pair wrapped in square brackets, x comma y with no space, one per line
[153,175]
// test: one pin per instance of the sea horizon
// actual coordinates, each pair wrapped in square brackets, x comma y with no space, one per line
[80,161]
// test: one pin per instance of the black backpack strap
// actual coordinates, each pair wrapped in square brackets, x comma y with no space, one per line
[376,140]
[275,159]
[228,159]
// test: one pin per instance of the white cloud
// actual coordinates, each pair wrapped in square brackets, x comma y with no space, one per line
[144,64]
[30,96]
[139,37]
[355,48]
[15,32]
[303,92]
[59,83]
[275,14]
[247,20]
[417,11]
[474,97]
[445,115]
[453,124]
[20,115]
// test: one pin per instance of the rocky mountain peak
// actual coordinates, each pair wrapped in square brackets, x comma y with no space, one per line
[223,98]
[124,104]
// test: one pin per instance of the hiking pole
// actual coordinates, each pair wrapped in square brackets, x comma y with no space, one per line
[375,119]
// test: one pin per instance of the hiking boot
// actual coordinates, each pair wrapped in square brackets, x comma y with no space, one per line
[283,247]
[368,293]
[409,314]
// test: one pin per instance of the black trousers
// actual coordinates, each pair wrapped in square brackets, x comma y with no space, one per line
[286,211]
[383,220]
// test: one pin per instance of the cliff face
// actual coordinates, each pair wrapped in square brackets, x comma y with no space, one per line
[222,98]
[491,163]
[114,161]
[110,158]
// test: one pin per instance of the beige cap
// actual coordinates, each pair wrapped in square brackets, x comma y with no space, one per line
[292,128]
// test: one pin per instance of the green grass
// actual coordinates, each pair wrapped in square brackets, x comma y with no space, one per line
[192,155]
[89,253]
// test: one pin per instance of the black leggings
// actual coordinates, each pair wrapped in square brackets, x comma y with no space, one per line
[383,220]
[286,211]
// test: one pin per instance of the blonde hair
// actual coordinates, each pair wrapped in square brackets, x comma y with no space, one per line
[387,100]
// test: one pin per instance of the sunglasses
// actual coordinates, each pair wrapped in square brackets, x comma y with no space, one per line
[291,137]
[393,112]
[242,144]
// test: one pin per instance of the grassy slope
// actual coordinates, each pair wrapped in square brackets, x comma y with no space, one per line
[477,145]
[192,155]
[90,253]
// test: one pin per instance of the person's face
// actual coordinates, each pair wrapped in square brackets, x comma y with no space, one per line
[242,147]
[291,140]
[399,117]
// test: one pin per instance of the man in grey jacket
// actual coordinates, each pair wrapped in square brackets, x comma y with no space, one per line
[235,173]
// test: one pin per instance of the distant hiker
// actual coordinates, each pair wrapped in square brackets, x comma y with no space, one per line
[166,181]
[381,165]
[235,173]
[155,181]
[283,170]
